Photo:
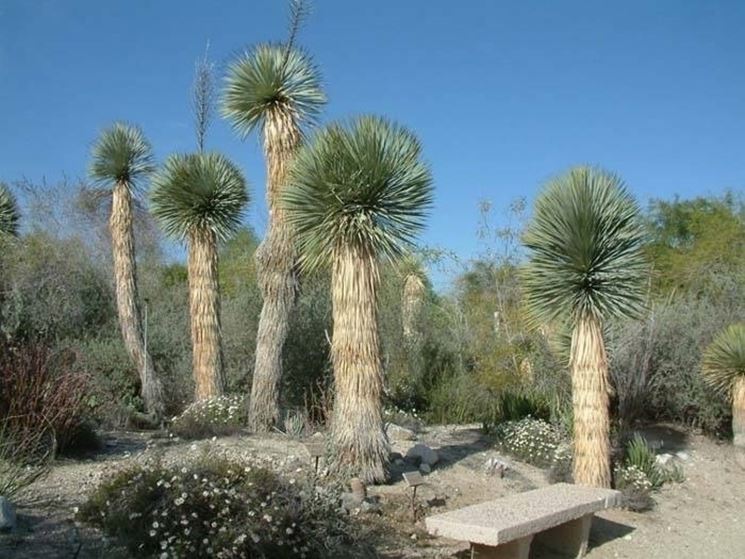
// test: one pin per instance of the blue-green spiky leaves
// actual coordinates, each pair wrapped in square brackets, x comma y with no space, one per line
[198,192]
[270,78]
[121,155]
[724,359]
[9,214]
[360,185]
[584,243]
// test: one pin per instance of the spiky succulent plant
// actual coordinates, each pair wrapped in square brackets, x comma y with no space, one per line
[121,155]
[9,214]
[202,191]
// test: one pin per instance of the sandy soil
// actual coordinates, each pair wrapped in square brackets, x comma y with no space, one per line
[703,517]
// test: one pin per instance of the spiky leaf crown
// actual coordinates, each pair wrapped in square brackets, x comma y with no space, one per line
[203,191]
[585,249]
[9,214]
[724,359]
[361,184]
[121,155]
[268,78]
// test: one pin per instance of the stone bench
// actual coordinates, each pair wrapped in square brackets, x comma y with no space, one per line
[558,516]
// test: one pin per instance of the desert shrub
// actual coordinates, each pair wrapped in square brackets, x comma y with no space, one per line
[26,455]
[216,507]
[635,487]
[222,415]
[656,362]
[40,391]
[533,440]
[54,290]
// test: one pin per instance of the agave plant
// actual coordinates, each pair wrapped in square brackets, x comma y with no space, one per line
[122,159]
[200,198]
[275,90]
[9,214]
[359,193]
[723,368]
[585,266]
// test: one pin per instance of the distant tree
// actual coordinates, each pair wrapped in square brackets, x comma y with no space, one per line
[200,198]
[277,90]
[723,368]
[9,214]
[585,266]
[697,246]
[122,157]
[359,193]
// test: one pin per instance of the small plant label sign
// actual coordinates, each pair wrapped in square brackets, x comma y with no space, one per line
[413,478]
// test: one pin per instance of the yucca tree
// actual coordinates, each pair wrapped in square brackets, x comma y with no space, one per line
[122,159]
[274,90]
[585,267]
[9,214]
[358,193]
[723,368]
[200,199]
[412,299]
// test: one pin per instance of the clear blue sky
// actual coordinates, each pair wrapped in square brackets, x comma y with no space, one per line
[503,94]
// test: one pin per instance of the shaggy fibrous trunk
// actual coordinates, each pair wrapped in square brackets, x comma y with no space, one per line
[125,280]
[590,398]
[275,262]
[738,412]
[413,298]
[204,310]
[357,424]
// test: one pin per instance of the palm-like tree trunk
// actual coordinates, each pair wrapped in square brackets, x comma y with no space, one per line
[589,364]
[738,412]
[204,308]
[357,424]
[125,280]
[275,260]
[412,305]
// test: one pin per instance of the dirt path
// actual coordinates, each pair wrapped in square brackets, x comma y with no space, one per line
[704,517]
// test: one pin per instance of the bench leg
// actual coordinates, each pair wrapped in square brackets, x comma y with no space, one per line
[569,539]
[516,549]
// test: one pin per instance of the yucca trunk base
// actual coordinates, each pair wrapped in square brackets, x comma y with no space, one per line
[738,413]
[590,399]
[275,263]
[357,433]
[125,281]
[204,310]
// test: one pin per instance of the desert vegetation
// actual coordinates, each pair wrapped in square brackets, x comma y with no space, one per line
[585,318]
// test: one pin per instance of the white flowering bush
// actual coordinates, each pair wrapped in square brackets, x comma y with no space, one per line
[533,440]
[221,508]
[222,415]
[635,486]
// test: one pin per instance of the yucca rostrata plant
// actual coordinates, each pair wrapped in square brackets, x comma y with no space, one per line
[585,266]
[723,368]
[122,159]
[357,194]
[200,198]
[275,90]
[9,214]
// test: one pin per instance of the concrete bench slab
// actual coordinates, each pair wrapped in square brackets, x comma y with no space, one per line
[560,514]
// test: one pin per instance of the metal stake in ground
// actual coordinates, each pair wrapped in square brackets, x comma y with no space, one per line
[413,479]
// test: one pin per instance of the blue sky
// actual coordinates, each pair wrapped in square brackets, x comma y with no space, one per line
[502,94]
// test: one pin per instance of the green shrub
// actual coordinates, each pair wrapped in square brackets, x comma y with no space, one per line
[222,415]
[533,440]
[215,507]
